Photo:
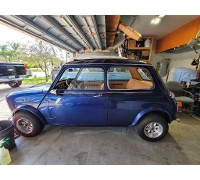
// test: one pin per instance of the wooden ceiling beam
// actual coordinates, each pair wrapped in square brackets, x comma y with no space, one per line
[112,22]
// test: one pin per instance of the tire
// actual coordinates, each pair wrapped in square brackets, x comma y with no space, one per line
[27,124]
[15,84]
[147,132]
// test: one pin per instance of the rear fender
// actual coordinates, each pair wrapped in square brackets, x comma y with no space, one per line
[32,110]
[149,110]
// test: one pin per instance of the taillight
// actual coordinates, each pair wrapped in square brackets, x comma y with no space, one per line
[25,69]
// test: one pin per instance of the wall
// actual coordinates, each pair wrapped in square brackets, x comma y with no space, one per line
[176,60]
[179,37]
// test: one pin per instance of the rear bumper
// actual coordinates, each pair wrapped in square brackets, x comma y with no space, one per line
[10,79]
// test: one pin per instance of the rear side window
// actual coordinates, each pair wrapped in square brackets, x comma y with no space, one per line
[119,74]
[129,78]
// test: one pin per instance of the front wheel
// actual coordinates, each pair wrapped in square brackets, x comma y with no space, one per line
[152,127]
[27,124]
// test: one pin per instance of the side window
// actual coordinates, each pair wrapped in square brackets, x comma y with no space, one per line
[129,78]
[119,74]
[69,73]
[81,79]
[91,79]
[144,73]
[118,77]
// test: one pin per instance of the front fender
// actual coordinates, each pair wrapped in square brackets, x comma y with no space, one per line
[32,110]
[148,110]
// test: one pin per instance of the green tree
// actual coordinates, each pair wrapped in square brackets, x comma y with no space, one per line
[41,54]
[4,52]
[15,49]
[10,51]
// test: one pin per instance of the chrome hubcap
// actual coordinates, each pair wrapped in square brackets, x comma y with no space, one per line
[153,130]
[25,126]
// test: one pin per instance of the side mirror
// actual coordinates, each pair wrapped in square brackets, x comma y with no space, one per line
[53,91]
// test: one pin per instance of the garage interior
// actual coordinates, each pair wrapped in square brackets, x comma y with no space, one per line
[174,45]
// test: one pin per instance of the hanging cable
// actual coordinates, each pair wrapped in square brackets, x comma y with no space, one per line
[133,21]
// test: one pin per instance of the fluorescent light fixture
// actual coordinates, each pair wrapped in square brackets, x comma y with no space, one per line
[157,19]
[161,16]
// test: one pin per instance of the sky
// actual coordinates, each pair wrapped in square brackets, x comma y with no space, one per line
[10,35]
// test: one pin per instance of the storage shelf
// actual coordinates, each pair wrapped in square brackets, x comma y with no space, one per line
[133,43]
[140,48]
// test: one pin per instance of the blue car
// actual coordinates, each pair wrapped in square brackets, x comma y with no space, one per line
[102,91]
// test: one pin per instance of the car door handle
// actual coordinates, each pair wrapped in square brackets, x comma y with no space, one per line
[98,95]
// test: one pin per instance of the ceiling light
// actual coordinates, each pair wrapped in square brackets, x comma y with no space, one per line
[157,19]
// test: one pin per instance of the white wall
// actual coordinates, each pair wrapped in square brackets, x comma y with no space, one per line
[176,60]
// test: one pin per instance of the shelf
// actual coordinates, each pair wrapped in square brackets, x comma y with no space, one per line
[143,53]
[182,49]
[140,48]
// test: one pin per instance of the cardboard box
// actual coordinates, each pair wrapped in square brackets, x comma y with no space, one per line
[132,56]
[129,31]
[131,44]
[145,53]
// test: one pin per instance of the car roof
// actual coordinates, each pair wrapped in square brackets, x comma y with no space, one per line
[106,60]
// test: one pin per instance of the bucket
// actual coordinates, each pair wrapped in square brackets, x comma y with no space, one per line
[7,131]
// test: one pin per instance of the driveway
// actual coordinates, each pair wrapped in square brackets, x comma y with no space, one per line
[4,90]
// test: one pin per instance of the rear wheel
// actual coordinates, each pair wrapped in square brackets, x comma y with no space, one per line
[152,127]
[15,84]
[27,124]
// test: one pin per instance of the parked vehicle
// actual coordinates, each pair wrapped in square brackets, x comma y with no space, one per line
[114,92]
[12,74]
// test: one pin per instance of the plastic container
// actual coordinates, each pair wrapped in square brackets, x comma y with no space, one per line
[7,131]
[179,105]
[147,43]
[4,153]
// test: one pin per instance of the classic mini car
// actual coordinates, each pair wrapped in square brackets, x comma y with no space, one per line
[103,91]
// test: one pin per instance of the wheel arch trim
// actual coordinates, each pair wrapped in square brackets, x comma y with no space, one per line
[32,110]
[149,110]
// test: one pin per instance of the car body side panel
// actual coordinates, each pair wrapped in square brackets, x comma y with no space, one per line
[75,108]
[124,107]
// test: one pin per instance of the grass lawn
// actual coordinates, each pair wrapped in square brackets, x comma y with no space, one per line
[39,70]
[35,80]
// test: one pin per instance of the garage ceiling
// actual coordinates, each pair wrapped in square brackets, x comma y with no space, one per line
[76,33]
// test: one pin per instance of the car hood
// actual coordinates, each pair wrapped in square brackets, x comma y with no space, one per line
[39,88]
[30,96]
[43,87]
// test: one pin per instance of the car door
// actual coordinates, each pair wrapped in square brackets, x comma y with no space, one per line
[126,101]
[83,102]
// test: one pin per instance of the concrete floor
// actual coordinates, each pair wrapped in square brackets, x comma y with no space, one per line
[110,146]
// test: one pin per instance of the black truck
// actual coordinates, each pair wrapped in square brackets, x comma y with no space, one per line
[12,74]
